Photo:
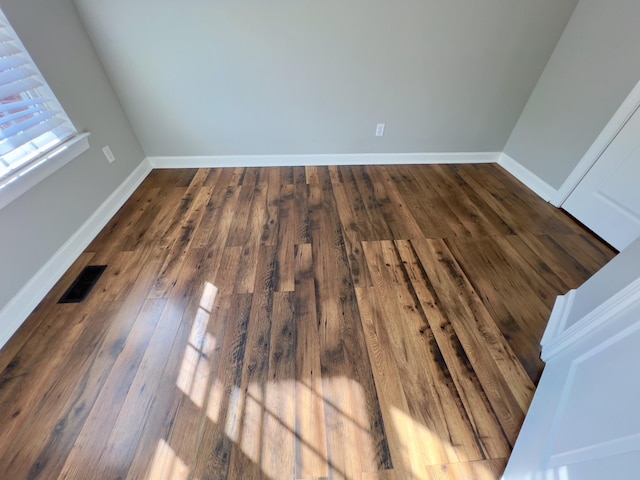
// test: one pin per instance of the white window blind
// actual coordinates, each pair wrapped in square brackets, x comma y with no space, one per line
[32,122]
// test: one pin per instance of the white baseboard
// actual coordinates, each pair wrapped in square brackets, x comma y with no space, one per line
[218,161]
[526,176]
[558,319]
[23,303]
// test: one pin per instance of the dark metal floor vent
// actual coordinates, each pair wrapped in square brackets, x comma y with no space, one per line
[81,287]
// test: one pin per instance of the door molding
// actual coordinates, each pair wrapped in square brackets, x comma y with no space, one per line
[597,148]
[560,339]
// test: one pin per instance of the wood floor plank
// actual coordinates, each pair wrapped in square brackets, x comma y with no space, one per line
[480,470]
[488,263]
[361,217]
[179,245]
[496,198]
[342,347]
[420,202]
[126,218]
[229,261]
[285,255]
[352,238]
[8,353]
[503,377]
[301,216]
[537,264]
[279,425]
[271,219]
[455,361]
[376,204]
[69,402]
[404,223]
[522,199]
[310,445]
[248,423]
[193,382]
[442,200]
[161,216]
[77,340]
[433,396]
[382,475]
[404,435]
[473,202]
[345,322]
[470,210]
[226,399]
[140,393]
[112,394]
[222,209]
[568,269]
[266,277]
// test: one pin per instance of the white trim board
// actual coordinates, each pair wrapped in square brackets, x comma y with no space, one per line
[558,319]
[218,161]
[526,176]
[593,320]
[41,169]
[23,303]
[619,119]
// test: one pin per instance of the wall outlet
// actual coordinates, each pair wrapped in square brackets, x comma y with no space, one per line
[108,153]
[380,130]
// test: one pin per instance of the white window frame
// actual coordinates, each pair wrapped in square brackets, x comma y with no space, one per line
[36,170]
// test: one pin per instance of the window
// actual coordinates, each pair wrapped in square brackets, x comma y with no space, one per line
[36,136]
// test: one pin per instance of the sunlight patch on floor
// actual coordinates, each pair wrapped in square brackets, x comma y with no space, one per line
[425,454]
[266,425]
[194,373]
[315,427]
[216,397]
[166,465]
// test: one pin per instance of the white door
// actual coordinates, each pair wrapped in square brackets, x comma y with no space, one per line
[584,421]
[607,199]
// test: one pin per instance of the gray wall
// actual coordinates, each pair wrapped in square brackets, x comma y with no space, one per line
[38,223]
[591,72]
[303,76]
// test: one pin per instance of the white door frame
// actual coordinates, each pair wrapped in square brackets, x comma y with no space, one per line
[619,119]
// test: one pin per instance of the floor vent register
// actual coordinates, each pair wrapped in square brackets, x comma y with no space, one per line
[82,285]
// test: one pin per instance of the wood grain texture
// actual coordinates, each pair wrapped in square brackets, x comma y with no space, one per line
[374,322]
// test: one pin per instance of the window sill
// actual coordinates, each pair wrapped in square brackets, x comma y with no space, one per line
[46,166]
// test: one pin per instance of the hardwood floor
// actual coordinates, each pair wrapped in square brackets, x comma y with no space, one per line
[321,322]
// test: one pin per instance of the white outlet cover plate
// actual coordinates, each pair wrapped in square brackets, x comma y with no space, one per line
[108,153]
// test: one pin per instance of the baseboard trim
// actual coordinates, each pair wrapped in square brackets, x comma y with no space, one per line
[526,176]
[22,304]
[219,161]
[558,319]
[595,319]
